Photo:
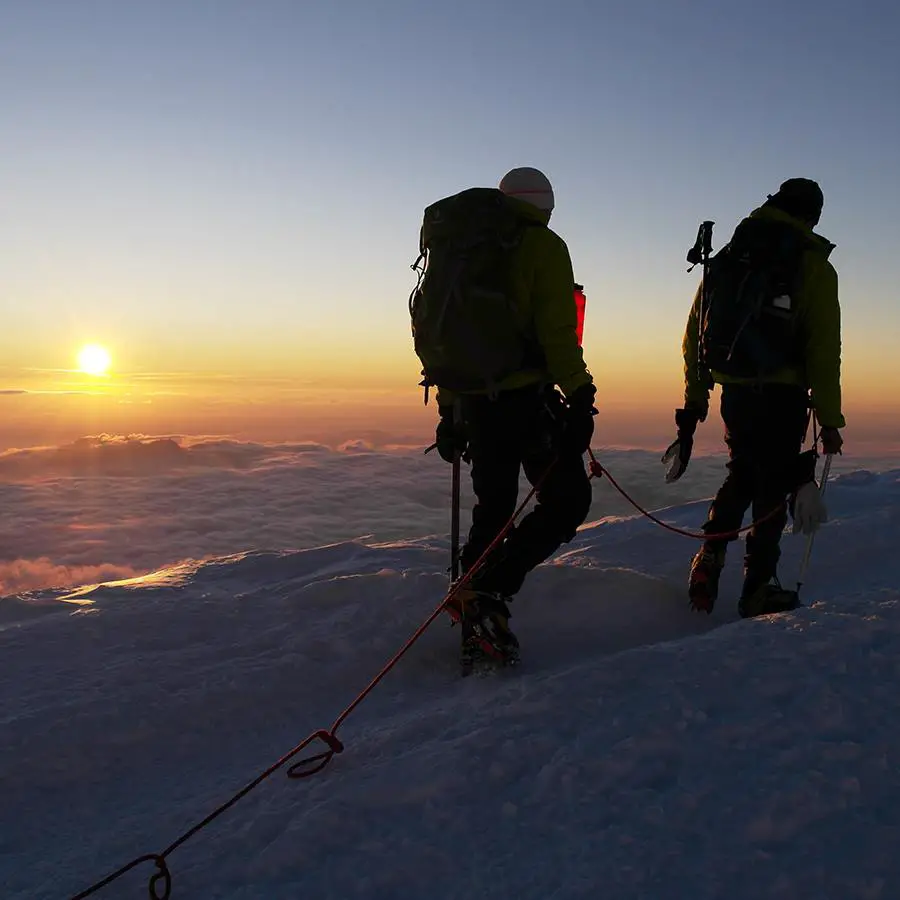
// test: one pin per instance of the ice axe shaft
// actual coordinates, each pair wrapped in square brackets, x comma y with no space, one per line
[454,518]
[826,469]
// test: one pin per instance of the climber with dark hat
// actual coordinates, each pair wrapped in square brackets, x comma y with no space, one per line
[767,328]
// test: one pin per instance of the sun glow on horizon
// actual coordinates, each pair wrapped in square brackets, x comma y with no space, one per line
[94,359]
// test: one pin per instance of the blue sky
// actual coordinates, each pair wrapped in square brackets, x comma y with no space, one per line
[241,184]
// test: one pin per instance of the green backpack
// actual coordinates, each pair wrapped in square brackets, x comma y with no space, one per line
[749,319]
[464,325]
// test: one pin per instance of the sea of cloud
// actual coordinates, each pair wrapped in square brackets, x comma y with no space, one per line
[107,507]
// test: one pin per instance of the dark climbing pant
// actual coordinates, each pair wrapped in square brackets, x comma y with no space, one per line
[764,429]
[517,429]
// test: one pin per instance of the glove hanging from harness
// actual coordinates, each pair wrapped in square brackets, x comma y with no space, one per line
[809,509]
[806,506]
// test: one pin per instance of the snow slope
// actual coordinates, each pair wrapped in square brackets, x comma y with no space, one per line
[641,751]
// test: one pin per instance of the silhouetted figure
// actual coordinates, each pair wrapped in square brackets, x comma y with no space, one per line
[768,329]
[494,321]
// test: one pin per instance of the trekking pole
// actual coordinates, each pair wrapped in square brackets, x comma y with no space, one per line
[454,519]
[809,541]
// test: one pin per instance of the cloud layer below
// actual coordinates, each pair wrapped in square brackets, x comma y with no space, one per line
[111,507]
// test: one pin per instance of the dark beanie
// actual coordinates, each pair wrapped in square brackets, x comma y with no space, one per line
[799,197]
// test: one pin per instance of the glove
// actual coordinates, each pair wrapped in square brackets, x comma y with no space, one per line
[450,437]
[579,419]
[678,453]
[808,509]
[831,439]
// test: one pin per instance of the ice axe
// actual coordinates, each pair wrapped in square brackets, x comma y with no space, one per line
[699,255]
[454,513]
[455,476]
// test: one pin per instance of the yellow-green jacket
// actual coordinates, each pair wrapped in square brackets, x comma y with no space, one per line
[819,323]
[543,287]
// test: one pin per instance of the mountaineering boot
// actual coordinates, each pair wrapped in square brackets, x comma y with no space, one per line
[495,616]
[470,652]
[703,584]
[761,598]
[485,624]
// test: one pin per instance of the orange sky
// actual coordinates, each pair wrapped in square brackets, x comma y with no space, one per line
[330,397]
[240,237]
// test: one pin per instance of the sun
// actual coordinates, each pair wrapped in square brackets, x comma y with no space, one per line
[93,359]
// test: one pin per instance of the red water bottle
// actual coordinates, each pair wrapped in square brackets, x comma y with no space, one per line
[580,303]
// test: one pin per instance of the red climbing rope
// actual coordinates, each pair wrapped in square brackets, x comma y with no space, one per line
[160,884]
[454,590]
[161,880]
[600,471]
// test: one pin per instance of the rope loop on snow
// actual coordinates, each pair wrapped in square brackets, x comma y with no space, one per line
[312,764]
[163,874]
[161,879]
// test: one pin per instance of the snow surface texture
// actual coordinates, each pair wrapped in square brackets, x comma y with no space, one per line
[641,751]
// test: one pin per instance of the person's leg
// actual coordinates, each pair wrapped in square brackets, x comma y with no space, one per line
[563,501]
[495,466]
[726,513]
[494,428]
[782,425]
